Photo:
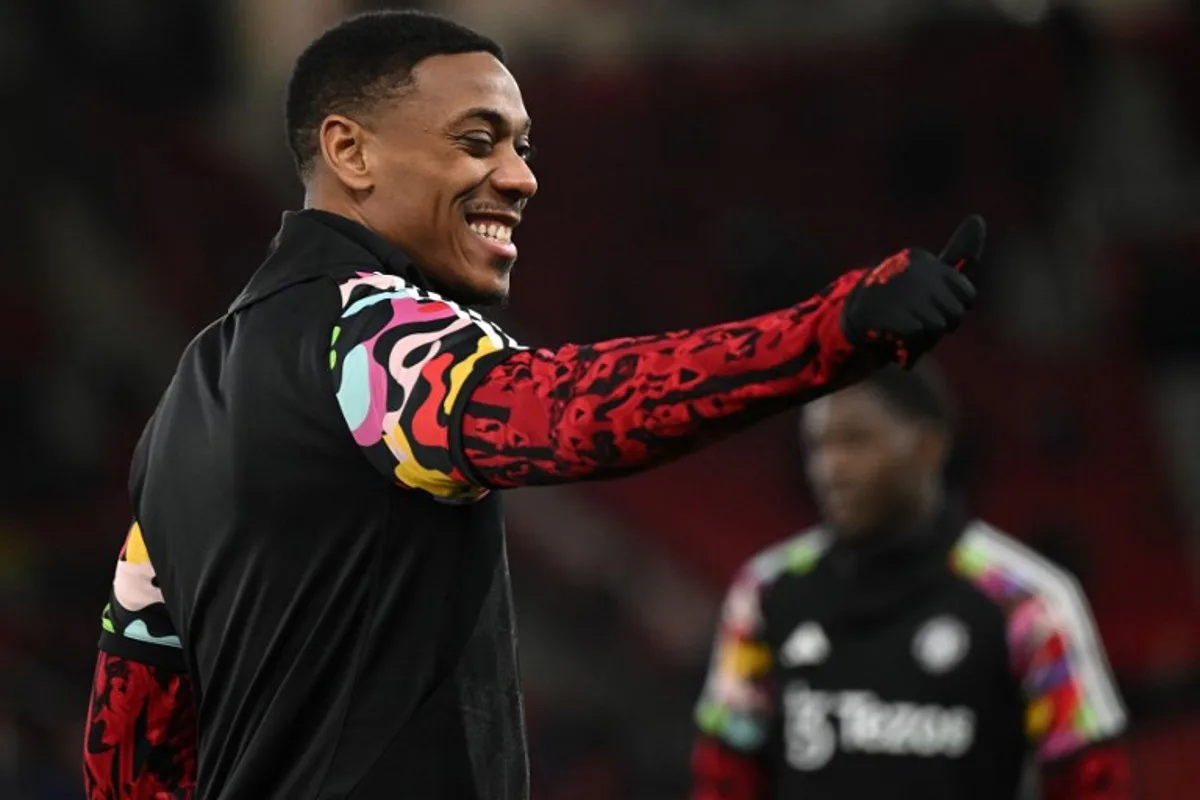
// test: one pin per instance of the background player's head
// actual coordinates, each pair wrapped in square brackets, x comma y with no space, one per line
[876,451]
[412,125]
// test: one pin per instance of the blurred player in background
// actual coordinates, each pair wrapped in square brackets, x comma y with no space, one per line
[901,649]
[314,599]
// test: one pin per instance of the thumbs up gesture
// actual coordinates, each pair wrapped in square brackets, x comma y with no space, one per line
[906,304]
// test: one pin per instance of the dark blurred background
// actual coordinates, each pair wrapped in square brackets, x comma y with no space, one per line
[699,160]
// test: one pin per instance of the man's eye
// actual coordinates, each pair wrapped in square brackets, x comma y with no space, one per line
[526,151]
[478,144]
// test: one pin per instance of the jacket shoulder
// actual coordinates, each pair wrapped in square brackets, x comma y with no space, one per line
[1008,571]
[793,557]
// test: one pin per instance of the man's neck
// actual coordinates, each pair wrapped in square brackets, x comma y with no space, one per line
[319,200]
[906,524]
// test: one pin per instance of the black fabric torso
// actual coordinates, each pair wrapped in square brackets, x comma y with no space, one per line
[862,714]
[347,638]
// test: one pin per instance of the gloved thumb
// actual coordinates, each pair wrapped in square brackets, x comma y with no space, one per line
[965,247]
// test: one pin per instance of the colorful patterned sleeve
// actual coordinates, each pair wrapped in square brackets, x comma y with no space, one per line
[737,703]
[1072,703]
[135,623]
[403,361]
[140,738]
[1056,656]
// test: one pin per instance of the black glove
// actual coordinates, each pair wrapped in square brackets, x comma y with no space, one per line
[905,305]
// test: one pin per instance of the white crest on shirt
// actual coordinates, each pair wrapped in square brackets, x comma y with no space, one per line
[808,644]
[941,643]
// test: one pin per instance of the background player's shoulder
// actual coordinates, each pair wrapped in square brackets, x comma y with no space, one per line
[1049,626]
[796,556]
[1009,571]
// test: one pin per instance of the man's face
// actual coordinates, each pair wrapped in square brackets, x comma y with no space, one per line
[867,464]
[449,173]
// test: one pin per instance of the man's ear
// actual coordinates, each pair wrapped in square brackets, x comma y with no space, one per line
[343,144]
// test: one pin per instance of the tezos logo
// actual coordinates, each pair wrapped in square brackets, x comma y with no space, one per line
[866,724]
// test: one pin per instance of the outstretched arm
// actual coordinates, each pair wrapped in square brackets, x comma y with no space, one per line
[442,401]
[607,409]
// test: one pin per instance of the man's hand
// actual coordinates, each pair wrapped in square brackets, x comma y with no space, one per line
[906,304]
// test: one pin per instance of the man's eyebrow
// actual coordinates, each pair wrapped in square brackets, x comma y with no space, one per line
[493,117]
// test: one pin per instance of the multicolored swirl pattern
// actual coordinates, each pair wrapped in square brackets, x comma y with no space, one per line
[401,357]
[140,740]
[136,612]
[1054,649]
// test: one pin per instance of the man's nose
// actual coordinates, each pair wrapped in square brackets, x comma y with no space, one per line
[514,178]
[830,467]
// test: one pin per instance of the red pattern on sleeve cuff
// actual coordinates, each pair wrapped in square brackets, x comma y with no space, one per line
[721,773]
[1098,773]
[608,409]
[140,740]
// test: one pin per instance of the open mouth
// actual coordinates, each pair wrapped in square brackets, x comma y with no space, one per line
[493,233]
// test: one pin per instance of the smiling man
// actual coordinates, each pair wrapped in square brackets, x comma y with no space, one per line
[313,600]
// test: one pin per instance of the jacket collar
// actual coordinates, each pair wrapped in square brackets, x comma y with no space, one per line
[874,578]
[887,549]
[312,244]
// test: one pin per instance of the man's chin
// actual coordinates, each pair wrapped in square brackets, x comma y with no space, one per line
[849,524]
[492,289]
[489,299]
[488,289]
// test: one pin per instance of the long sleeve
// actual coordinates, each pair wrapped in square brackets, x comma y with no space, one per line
[1101,772]
[608,409]
[721,773]
[140,740]
[442,401]
[737,706]
[1073,716]
[141,735]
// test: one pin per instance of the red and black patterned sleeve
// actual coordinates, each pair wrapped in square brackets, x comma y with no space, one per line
[1101,772]
[140,740]
[608,409]
[720,772]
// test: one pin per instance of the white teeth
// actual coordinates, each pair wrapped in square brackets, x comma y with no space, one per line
[501,233]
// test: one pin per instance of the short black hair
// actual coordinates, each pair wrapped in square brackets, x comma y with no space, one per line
[360,61]
[920,394]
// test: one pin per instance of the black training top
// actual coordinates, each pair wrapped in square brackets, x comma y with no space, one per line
[347,636]
[925,664]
